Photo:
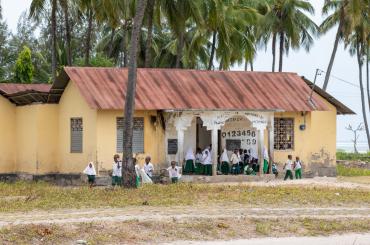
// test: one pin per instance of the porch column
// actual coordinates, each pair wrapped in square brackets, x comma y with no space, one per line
[180,146]
[214,150]
[260,149]
[271,143]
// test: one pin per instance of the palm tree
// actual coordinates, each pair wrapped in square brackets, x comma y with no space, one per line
[65,6]
[37,7]
[359,42]
[287,21]
[178,12]
[345,15]
[128,168]
[148,46]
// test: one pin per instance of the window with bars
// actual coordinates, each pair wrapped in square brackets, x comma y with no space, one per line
[284,133]
[138,135]
[76,135]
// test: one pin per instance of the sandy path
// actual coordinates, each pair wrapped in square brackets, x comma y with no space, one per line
[348,239]
[147,213]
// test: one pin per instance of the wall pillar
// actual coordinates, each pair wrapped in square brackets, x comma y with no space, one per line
[180,146]
[271,144]
[214,150]
[260,149]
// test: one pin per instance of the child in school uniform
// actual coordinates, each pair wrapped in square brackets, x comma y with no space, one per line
[198,161]
[288,168]
[174,172]
[189,162]
[116,171]
[298,168]
[91,173]
[225,167]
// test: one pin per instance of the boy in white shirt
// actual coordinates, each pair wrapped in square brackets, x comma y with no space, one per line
[298,168]
[148,167]
[288,168]
[117,171]
[235,159]
[174,172]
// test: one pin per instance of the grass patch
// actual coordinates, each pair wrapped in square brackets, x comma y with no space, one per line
[353,156]
[134,232]
[355,179]
[25,196]
[346,171]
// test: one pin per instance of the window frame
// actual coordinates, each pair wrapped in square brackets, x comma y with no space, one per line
[120,149]
[276,132]
[79,151]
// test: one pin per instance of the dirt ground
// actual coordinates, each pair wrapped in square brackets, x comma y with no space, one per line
[226,222]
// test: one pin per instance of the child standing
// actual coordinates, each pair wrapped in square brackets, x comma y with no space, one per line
[225,167]
[91,173]
[174,172]
[116,171]
[288,168]
[298,168]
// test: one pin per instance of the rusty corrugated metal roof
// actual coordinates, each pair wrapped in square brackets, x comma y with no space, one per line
[180,89]
[13,88]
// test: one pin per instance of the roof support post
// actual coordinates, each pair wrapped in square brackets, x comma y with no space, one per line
[271,140]
[180,146]
[260,141]
[214,150]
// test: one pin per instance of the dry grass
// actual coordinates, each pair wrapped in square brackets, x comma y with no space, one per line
[198,229]
[41,196]
[355,179]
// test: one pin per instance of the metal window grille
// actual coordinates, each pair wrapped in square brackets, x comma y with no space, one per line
[76,135]
[138,135]
[283,133]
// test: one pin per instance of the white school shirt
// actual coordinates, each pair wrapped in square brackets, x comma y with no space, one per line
[117,171]
[174,172]
[206,158]
[149,169]
[288,165]
[298,165]
[234,159]
[90,171]
[198,157]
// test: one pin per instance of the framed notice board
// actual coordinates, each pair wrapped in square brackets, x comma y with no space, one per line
[232,144]
[172,146]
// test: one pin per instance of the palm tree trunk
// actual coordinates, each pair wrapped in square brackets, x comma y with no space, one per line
[331,62]
[180,47]
[123,46]
[68,32]
[367,75]
[88,37]
[148,46]
[281,51]
[359,61]
[113,32]
[128,167]
[213,48]
[251,62]
[53,40]
[246,65]
[273,51]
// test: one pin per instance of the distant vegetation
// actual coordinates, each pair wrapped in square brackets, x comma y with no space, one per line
[341,155]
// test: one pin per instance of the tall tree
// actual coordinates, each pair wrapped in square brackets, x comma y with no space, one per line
[65,7]
[148,46]
[88,7]
[128,168]
[36,10]
[345,15]
[23,67]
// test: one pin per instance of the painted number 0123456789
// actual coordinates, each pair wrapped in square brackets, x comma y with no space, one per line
[239,133]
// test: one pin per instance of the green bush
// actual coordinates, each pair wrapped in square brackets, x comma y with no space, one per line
[353,156]
[345,171]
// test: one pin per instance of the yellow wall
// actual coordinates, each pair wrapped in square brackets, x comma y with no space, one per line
[316,145]
[7,136]
[37,138]
[72,104]
[107,133]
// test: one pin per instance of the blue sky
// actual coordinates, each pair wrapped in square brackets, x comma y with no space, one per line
[301,62]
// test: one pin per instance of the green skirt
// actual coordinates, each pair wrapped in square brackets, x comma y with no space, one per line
[91,178]
[174,180]
[265,166]
[199,168]
[189,167]
[225,168]
[207,169]
[116,180]
[137,181]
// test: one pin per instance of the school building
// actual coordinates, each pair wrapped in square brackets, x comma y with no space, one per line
[59,128]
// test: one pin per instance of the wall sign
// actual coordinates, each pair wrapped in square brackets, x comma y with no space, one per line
[231,145]
[172,146]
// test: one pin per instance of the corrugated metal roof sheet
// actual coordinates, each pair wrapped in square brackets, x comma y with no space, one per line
[13,88]
[180,89]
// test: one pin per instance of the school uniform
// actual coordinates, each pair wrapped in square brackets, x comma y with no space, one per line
[265,161]
[207,162]
[91,173]
[174,173]
[298,169]
[117,173]
[149,169]
[198,163]
[189,162]
[225,167]
[234,159]
[288,169]
[137,171]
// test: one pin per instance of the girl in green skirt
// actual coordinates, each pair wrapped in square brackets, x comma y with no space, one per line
[198,161]
[189,162]
[91,173]
[225,167]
